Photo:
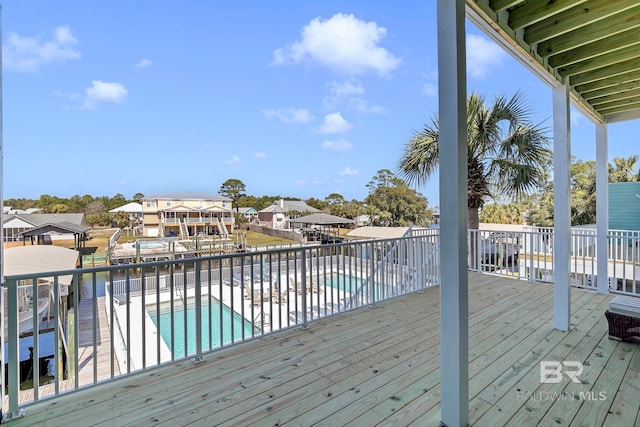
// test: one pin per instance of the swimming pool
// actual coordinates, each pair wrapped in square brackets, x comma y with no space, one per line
[347,284]
[219,333]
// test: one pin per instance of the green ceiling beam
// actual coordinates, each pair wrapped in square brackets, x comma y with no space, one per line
[592,50]
[597,31]
[609,99]
[500,5]
[601,61]
[570,20]
[620,109]
[608,72]
[611,90]
[619,103]
[608,82]
[536,11]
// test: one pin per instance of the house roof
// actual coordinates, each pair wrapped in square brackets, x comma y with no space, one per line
[187,195]
[246,210]
[289,205]
[321,219]
[594,44]
[132,207]
[41,219]
[60,227]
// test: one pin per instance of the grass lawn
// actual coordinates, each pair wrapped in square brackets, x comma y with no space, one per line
[259,239]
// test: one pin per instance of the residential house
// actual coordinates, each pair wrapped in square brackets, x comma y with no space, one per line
[280,212]
[134,210]
[187,214]
[15,224]
[250,214]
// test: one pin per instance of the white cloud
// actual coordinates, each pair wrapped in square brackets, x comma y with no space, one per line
[430,89]
[104,92]
[144,63]
[30,53]
[260,155]
[318,181]
[347,171]
[289,115]
[482,54]
[334,123]
[338,145]
[343,43]
[300,182]
[233,161]
[349,95]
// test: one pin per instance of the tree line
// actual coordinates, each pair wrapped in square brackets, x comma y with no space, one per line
[508,162]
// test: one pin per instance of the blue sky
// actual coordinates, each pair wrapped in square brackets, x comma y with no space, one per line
[156,96]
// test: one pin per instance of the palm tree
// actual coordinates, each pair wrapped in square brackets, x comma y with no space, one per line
[507,153]
[623,170]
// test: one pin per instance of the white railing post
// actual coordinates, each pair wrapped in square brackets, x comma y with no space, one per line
[198,297]
[305,324]
[13,342]
[531,263]
[479,251]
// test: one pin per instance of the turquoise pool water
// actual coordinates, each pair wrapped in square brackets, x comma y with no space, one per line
[212,329]
[151,245]
[344,283]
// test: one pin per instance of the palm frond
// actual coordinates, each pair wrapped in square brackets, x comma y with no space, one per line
[420,158]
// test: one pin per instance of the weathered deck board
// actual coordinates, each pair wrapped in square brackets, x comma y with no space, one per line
[380,366]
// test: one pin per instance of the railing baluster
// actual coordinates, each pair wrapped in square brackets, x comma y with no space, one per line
[305,325]
[198,298]
[36,339]
[13,343]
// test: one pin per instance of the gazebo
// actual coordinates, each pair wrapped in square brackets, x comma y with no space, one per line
[42,234]
[321,227]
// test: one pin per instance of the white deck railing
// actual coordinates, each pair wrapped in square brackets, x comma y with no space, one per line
[528,255]
[121,319]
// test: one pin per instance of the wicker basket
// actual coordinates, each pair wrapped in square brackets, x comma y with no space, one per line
[622,326]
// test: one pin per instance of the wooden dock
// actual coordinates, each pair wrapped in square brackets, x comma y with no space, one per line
[380,366]
[91,369]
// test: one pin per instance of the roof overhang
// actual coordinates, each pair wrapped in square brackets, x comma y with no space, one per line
[593,45]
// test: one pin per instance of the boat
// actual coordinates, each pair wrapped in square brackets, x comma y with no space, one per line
[25,309]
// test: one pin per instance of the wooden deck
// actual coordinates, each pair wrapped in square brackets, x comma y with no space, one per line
[380,366]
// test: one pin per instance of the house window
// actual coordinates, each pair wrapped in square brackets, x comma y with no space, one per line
[182,202]
[168,202]
[148,203]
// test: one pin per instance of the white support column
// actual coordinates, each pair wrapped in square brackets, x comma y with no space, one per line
[2,283]
[562,207]
[602,207]
[454,301]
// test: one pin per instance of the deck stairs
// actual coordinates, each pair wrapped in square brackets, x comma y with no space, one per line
[221,229]
[184,231]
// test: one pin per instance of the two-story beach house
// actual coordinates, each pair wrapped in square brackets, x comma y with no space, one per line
[187,214]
